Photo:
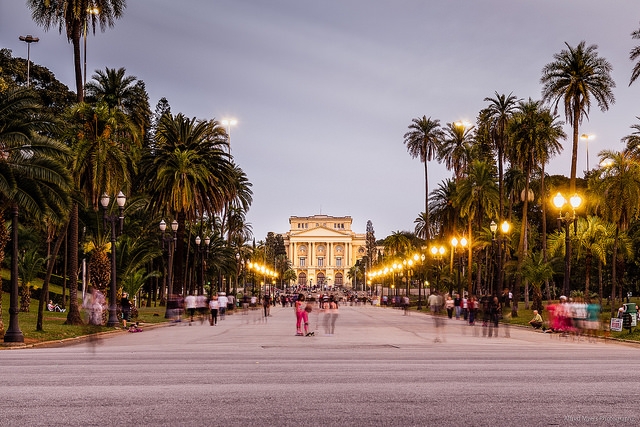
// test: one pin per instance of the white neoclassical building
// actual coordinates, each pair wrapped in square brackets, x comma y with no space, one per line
[323,248]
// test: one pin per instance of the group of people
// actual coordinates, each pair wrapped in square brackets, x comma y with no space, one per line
[94,304]
[468,308]
[328,309]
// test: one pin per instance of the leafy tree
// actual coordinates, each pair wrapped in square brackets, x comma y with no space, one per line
[371,246]
[536,271]
[32,173]
[456,148]
[423,141]
[476,198]
[576,76]
[497,116]
[633,55]
[72,17]
[188,175]
[616,197]
[29,266]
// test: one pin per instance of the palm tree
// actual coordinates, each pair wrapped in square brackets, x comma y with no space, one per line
[536,270]
[633,140]
[633,55]
[123,93]
[397,244]
[188,174]
[616,196]
[72,16]
[498,113]
[456,147]
[32,173]
[443,211]
[591,244]
[477,198]
[577,75]
[535,135]
[423,141]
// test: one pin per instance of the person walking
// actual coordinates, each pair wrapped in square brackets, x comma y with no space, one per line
[190,305]
[449,305]
[457,305]
[333,314]
[125,304]
[266,305]
[214,305]
[222,301]
[301,316]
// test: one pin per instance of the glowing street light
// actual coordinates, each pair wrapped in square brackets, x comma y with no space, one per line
[560,202]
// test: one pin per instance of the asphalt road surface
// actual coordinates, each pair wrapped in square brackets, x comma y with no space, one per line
[379,368]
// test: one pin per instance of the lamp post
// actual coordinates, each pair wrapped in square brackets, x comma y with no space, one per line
[463,244]
[587,137]
[171,243]
[115,232]
[437,253]
[420,258]
[235,286]
[497,245]
[91,11]
[203,260]
[28,39]
[13,333]
[228,123]
[560,202]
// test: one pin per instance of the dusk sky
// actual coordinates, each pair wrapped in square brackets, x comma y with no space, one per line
[324,91]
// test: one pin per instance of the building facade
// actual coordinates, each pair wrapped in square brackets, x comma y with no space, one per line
[322,249]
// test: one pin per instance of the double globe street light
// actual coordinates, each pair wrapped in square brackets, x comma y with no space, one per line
[170,242]
[112,220]
[565,219]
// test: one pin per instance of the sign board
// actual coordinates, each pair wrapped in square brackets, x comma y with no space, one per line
[616,324]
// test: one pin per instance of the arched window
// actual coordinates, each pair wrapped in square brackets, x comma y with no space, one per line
[338,279]
[302,279]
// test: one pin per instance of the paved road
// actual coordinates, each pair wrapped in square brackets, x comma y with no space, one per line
[380,368]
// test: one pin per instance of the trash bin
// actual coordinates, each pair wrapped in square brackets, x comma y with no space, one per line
[632,310]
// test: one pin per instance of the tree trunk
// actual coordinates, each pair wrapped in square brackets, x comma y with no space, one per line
[427,224]
[73,316]
[614,271]
[45,284]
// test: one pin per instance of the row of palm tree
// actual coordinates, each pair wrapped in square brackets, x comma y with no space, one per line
[525,135]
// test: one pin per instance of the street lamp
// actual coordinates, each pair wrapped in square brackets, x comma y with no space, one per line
[171,243]
[202,250]
[28,39]
[497,242]
[228,123]
[463,244]
[587,137]
[437,253]
[420,258]
[235,287]
[91,11]
[115,232]
[560,201]
[13,333]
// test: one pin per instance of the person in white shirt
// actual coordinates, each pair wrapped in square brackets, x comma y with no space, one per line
[190,305]
[214,306]
[222,300]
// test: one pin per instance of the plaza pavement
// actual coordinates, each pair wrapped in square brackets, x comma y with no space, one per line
[380,368]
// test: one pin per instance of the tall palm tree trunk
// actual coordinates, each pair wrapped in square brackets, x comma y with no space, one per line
[427,223]
[614,271]
[73,316]
[45,284]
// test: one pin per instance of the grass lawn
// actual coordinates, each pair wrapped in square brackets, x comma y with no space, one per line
[54,327]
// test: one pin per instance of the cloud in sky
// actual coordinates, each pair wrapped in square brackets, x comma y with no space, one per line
[324,91]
